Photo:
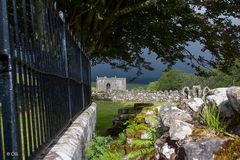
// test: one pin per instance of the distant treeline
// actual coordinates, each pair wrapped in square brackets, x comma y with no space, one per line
[177,79]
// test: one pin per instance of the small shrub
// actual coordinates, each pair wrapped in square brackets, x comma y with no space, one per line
[211,117]
[141,148]
[102,148]
[97,147]
[122,138]
[110,155]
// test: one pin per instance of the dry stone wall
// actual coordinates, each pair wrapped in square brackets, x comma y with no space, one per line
[157,96]
[187,136]
[71,145]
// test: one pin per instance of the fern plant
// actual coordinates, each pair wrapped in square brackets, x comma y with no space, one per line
[122,138]
[97,147]
[110,155]
[211,117]
[143,153]
[104,148]
[134,129]
[141,148]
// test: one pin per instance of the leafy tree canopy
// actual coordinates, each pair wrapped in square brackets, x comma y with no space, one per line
[121,29]
[177,79]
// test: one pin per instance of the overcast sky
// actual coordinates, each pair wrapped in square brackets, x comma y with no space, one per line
[148,76]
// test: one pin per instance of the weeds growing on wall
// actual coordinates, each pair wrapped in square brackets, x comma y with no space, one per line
[136,142]
[141,147]
[102,148]
[211,117]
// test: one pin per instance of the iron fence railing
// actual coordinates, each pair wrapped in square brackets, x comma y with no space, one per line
[44,77]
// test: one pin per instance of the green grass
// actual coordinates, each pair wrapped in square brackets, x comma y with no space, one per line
[136,86]
[211,118]
[93,85]
[106,111]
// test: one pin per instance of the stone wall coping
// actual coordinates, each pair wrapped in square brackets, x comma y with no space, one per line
[72,143]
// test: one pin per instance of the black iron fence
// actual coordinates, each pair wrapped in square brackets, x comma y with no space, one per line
[44,77]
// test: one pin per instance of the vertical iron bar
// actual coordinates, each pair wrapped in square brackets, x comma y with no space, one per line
[27,107]
[38,103]
[64,46]
[82,79]
[8,87]
[32,107]
[23,104]
[44,102]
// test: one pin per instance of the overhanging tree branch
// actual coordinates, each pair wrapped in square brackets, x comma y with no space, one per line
[135,7]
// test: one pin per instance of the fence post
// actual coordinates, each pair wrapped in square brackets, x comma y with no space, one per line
[7,87]
[64,45]
[82,79]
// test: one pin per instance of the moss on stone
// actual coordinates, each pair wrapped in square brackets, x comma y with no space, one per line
[229,151]
[207,133]
[140,118]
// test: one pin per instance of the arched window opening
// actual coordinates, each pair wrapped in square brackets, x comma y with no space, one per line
[108,87]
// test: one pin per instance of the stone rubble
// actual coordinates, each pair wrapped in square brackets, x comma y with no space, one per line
[180,130]
[195,104]
[179,119]
[233,94]
[202,149]
[138,96]
[150,96]
[167,151]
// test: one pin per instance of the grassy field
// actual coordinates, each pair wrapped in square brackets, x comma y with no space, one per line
[136,86]
[106,111]
[129,86]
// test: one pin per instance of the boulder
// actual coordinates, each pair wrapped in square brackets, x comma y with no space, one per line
[179,130]
[195,104]
[219,95]
[235,129]
[169,113]
[202,149]
[167,151]
[233,94]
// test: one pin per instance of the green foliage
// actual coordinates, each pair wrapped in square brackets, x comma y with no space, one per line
[176,80]
[143,153]
[135,86]
[102,148]
[141,148]
[135,129]
[211,118]
[152,86]
[108,154]
[139,143]
[122,138]
[217,79]
[106,111]
[122,29]
[170,80]
[97,147]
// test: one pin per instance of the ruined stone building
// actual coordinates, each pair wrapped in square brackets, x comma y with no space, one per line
[110,84]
